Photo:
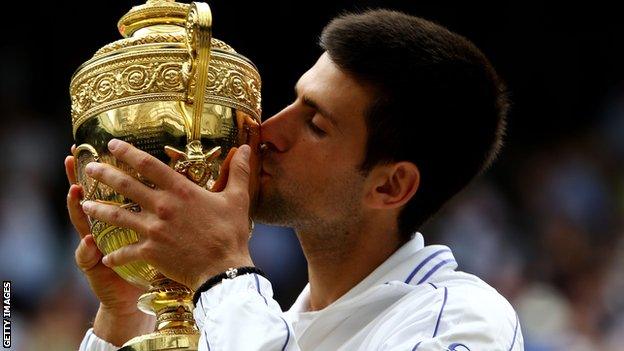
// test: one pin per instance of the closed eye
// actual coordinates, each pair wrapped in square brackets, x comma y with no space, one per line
[315,129]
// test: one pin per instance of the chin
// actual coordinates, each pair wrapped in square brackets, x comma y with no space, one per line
[272,210]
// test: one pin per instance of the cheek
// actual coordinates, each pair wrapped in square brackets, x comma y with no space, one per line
[325,177]
[317,164]
[338,195]
[329,165]
[305,179]
[312,172]
[309,157]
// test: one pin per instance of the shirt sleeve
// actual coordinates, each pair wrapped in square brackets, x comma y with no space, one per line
[241,314]
[92,342]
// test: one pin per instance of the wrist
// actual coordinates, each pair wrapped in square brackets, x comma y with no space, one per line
[230,273]
[119,311]
[117,327]
[218,269]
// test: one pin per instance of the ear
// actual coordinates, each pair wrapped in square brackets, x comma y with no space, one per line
[392,185]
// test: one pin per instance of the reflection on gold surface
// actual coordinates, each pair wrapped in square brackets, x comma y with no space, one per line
[151,127]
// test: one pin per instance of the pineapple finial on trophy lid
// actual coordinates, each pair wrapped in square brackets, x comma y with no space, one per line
[166,15]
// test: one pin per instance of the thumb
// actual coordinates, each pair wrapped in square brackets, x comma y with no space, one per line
[87,254]
[221,181]
[238,179]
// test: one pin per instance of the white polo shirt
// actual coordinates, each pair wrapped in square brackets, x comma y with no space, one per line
[415,300]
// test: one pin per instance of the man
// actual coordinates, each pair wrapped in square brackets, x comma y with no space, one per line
[396,117]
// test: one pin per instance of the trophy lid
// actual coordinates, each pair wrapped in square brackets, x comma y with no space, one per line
[156,61]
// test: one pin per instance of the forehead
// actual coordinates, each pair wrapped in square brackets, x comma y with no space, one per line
[336,91]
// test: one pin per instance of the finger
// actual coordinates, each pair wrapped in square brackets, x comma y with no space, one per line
[87,254]
[147,165]
[76,215]
[120,182]
[114,215]
[238,177]
[220,183]
[69,169]
[124,255]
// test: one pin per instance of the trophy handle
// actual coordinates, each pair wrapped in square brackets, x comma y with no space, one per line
[83,154]
[198,41]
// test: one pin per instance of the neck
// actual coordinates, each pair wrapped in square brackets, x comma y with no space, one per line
[340,258]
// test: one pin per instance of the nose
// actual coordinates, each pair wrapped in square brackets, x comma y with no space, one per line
[279,131]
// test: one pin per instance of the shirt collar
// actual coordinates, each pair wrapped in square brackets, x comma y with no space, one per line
[413,263]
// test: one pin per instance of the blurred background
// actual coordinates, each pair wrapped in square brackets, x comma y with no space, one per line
[546,222]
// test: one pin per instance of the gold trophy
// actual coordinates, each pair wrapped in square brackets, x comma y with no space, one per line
[173,91]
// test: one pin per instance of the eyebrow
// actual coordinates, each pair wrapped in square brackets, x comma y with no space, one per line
[313,104]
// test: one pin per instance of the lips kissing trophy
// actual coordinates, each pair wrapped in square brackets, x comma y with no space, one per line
[171,90]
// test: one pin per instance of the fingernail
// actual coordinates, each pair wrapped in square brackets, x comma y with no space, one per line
[90,168]
[113,144]
[87,206]
[88,239]
[245,151]
[105,260]
[72,192]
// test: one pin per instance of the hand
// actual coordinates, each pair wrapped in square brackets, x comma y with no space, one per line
[118,318]
[186,232]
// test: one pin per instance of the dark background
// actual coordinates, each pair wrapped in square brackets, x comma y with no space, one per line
[560,61]
[546,220]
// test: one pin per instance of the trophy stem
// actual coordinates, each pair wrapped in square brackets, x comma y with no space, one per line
[175,329]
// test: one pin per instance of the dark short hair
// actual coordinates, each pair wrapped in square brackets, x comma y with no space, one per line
[440,104]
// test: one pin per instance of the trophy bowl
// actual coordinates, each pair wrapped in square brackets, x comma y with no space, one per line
[188,99]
